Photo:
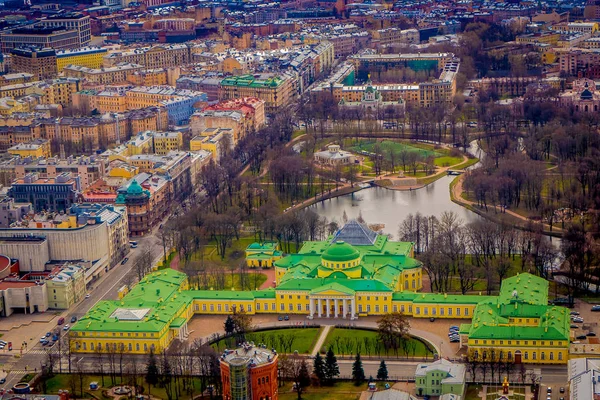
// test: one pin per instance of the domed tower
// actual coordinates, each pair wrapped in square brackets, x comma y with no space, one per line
[340,260]
[137,201]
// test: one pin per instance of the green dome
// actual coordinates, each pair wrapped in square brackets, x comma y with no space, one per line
[340,251]
[135,188]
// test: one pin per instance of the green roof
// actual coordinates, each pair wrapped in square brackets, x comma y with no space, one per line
[442,299]
[220,295]
[262,246]
[340,251]
[526,288]
[358,285]
[251,81]
[333,286]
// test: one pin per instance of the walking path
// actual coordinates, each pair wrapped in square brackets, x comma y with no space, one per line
[411,183]
[321,340]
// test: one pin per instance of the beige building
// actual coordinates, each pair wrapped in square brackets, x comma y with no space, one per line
[394,36]
[161,56]
[105,76]
[23,297]
[67,287]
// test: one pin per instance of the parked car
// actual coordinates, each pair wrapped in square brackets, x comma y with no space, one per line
[73,319]
[286,318]
[87,296]
[574,312]
[124,261]
[562,389]
[454,340]
[596,307]
[66,327]
[591,334]
[61,321]
[42,339]
[573,326]
[549,390]
[2,381]
[578,320]
[581,337]
[280,318]
[48,334]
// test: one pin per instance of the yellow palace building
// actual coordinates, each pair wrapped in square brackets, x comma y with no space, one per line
[354,273]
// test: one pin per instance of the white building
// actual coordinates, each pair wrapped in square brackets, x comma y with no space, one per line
[334,156]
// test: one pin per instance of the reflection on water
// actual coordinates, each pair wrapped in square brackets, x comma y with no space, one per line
[390,207]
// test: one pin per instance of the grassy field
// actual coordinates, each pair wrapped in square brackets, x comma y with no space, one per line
[303,339]
[62,381]
[352,341]
[387,145]
[340,391]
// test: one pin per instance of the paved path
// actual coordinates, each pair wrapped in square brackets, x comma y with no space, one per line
[321,340]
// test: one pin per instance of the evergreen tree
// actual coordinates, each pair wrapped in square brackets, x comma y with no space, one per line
[332,370]
[319,368]
[358,373]
[382,372]
[229,325]
[302,379]
[152,374]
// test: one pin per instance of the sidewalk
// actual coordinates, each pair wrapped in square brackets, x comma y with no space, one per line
[321,340]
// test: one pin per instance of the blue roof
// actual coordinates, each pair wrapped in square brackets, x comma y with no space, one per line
[356,234]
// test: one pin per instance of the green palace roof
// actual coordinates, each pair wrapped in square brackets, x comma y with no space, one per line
[340,251]
[251,81]
[262,246]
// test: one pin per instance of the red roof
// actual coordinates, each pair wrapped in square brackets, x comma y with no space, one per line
[15,285]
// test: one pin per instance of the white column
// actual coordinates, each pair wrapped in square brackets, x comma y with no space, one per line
[312,308]
[335,304]
[327,308]
[353,315]
[320,309]
[345,306]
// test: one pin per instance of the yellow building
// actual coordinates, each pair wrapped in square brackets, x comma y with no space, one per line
[355,273]
[139,144]
[66,288]
[262,255]
[10,106]
[276,91]
[165,142]
[36,149]
[89,57]
[213,140]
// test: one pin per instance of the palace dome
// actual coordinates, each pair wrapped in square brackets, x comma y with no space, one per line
[340,251]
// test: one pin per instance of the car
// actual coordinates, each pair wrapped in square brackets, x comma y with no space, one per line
[596,307]
[3,343]
[581,337]
[591,334]
[560,300]
[574,312]
[124,261]
[2,347]
[280,318]
[549,390]
[87,296]
[286,318]
[562,389]
[454,340]
[42,339]
[562,398]
[48,334]
[73,319]
[549,398]
[2,381]
[61,321]
[51,344]
[454,327]
[573,326]
[66,327]
[578,320]
[45,342]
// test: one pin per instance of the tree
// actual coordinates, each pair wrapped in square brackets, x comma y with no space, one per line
[229,325]
[319,368]
[392,329]
[152,373]
[358,373]
[332,370]
[382,372]
[300,374]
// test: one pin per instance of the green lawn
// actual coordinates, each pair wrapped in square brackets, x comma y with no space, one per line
[352,341]
[387,145]
[340,391]
[63,381]
[302,339]
[447,161]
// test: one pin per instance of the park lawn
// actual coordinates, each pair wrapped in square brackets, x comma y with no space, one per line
[235,252]
[420,350]
[386,145]
[447,161]
[61,381]
[342,390]
[304,339]
[472,392]
[466,164]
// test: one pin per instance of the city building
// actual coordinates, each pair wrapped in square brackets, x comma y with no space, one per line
[214,140]
[46,194]
[70,21]
[105,76]
[11,212]
[16,78]
[147,203]
[89,57]
[372,102]
[165,142]
[93,236]
[393,36]
[439,378]
[66,287]
[21,297]
[35,149]
[249,373]
[161,56]
[252,109]
[584,378]
[41,63]
[277,91]
[334,156]
[52,38]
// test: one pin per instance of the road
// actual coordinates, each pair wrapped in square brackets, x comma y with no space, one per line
[104,289]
